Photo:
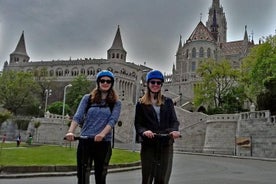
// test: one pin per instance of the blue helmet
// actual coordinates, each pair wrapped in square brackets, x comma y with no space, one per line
[154,74]
[105,73]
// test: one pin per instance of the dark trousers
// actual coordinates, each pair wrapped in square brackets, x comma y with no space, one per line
[156,163]
[90,152]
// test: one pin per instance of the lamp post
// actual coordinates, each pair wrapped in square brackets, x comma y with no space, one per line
[64,99]
[48,93]
[63,108]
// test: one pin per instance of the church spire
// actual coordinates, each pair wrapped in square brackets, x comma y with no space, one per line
[216,4]
[117,51]
[20,53]
[214,26]
[217,20]
[245,38]
[180,44]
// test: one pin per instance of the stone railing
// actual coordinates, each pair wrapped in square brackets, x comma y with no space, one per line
[255,115]
[55,116]
[222,117]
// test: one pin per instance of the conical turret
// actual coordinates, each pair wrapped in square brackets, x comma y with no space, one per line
[20,53]
[117,51]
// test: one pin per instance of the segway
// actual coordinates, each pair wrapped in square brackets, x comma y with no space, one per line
[85,170]
[156,169]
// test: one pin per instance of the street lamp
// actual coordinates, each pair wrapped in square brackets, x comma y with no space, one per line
[48,93]
[63,108]
[64,98]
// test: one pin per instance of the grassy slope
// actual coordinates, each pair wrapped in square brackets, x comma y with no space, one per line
[25,155]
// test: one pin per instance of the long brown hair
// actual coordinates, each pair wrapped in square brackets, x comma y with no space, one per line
[96,96]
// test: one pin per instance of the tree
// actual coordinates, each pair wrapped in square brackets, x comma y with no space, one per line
[216,89]
[36,126]
[80,86]
[57,107]
[4,115]
[259,66]
[44,81]
[18,90]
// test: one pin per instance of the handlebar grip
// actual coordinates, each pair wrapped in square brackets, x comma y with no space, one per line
[75,138]
[164,135]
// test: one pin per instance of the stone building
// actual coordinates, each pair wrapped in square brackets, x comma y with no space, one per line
[206,41]
[128,75]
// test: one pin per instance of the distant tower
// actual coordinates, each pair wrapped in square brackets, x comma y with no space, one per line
[117,51]
[217,22]
[20,55]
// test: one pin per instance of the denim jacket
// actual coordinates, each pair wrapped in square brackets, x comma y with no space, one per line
[97,117]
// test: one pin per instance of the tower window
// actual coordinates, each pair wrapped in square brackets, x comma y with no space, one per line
[201,52]
[208,52]
[193,66]
[194,52]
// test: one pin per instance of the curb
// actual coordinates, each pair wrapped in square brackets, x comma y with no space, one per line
[67,170]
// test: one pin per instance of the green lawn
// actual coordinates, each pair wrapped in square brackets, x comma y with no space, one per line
[25,155]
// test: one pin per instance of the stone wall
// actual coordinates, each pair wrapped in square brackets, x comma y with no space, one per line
[260,129]
[220,134]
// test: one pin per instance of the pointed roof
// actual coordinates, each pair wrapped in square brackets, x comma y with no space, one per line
[179,45]
[117,43]
[21,47]
[215,4]
[245,33]
[201,33]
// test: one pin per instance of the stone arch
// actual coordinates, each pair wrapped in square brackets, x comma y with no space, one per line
[59,72]
[75,71]
[66,72]
[202,109]
[82,71]
[90,71]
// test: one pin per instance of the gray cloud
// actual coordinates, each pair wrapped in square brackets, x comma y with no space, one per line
[150,29]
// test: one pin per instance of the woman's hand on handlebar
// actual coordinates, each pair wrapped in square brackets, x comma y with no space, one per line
[175,134]
[148,134]
[70,136]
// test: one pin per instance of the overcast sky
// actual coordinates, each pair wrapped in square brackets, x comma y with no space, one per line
[150,29]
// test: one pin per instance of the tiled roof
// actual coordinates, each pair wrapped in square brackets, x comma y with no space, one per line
[201,33]
[232,48]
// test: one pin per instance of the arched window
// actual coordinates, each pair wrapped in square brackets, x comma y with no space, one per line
[90,71]
[52,73]
[83,71]
[194,53]
[193,66]
[201,52]
[75,72]
[208,52]
[110,69]
[66,72]
[187,53]
[59,72]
